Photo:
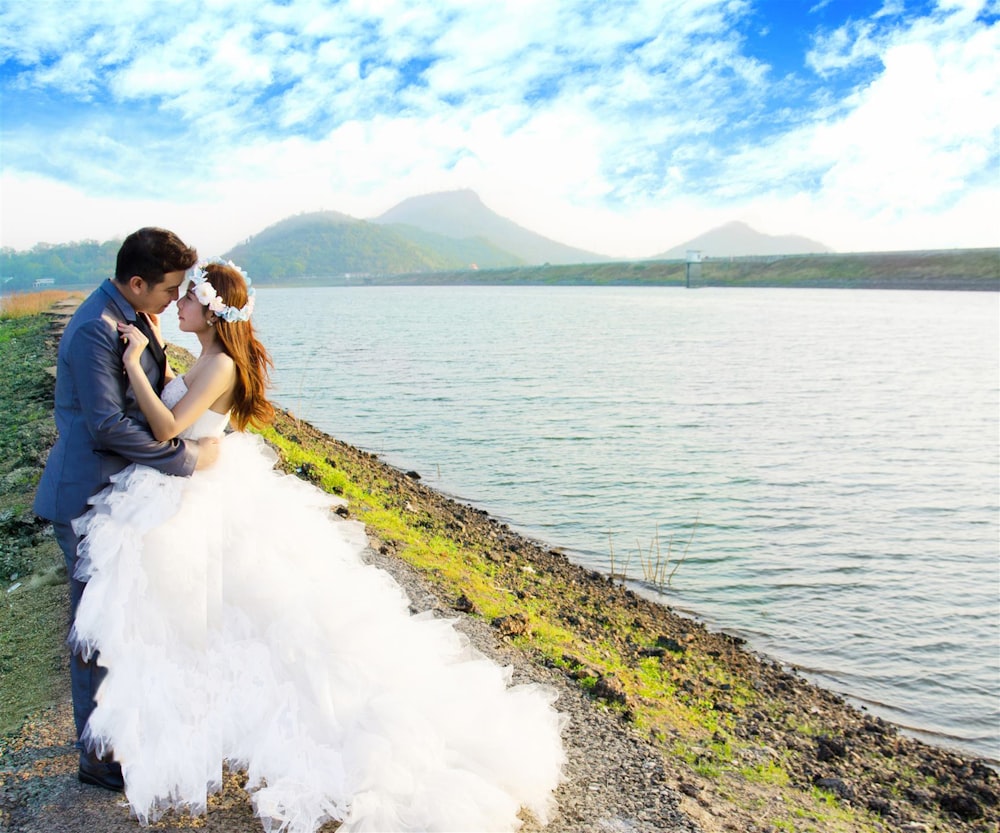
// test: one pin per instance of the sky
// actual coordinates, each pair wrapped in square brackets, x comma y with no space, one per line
[623,127]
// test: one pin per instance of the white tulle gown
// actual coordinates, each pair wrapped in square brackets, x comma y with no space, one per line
[238,623]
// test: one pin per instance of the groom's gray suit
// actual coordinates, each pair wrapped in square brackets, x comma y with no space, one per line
[101,431]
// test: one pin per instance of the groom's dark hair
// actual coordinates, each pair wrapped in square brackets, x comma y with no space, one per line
[152,252]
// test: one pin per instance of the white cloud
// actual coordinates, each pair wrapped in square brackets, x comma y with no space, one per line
[912,144]
[616,127]
[844,47]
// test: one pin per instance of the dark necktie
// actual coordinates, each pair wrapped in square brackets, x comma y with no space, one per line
[155,348]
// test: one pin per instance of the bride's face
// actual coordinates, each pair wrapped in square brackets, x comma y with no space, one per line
[192,317]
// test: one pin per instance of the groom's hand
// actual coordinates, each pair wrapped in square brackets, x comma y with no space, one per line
[208,452]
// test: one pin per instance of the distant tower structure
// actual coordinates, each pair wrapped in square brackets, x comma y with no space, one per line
[693,266]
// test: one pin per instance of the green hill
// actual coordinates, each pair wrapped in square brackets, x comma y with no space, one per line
[327,244]
[69,265]
[466,251]
[320,245]
[952,269]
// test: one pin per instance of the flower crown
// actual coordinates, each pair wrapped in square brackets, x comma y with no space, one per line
[207,296]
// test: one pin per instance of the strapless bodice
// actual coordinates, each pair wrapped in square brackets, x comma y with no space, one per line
[209,424]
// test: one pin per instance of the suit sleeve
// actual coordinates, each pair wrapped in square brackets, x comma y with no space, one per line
[100,382]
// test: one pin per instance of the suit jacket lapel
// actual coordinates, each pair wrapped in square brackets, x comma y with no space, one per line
[155,348]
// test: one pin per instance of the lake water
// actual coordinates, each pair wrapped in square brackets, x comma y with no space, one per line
[814,470]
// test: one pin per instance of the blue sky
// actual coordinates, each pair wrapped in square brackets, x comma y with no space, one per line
[623,127]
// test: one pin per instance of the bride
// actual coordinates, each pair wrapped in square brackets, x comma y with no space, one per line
[240,625]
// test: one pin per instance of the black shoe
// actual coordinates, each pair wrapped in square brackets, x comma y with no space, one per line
[104,774]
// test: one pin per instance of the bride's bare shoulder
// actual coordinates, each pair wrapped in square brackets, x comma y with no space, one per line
[218,361]
[212,365]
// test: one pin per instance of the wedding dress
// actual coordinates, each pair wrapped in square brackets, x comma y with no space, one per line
[239,623]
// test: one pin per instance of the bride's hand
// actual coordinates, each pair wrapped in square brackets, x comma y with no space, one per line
[135,342]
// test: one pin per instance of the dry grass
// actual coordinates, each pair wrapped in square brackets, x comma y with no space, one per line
[23,305]
[655,564]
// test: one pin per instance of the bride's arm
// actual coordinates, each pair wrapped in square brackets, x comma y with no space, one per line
[216,377]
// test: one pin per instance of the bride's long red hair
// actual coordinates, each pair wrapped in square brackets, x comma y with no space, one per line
[240,342]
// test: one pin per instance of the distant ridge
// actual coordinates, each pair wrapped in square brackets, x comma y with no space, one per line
[462,215]
[737,239]
[328,243]
[452,237]
[327,249]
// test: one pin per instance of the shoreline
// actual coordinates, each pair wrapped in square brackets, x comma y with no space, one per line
[814,724]
[948,744]
[939,740]
[665,713]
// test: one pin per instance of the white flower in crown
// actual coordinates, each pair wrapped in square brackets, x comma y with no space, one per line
[207,296]
[205,292]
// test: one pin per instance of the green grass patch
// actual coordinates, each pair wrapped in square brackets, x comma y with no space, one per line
[33,656]
[768,772]
[33,596]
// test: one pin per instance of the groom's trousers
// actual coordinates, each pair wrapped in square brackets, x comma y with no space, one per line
[85,675]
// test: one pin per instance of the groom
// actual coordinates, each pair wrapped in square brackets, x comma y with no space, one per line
[102,430]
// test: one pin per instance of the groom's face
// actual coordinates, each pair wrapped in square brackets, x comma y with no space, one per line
[154,298]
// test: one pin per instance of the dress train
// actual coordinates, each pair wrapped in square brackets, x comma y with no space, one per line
[239,624]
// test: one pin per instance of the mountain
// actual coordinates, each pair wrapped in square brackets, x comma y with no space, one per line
[462,215]
[738,239]
[327,243]
[471,252]
[83,263]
